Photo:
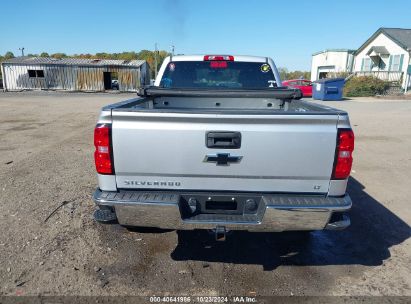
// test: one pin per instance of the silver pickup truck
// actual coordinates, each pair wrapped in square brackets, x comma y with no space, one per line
[217,143]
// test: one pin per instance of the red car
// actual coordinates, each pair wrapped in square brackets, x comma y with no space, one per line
[304,85]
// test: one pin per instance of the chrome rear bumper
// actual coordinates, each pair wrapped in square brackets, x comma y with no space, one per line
[275,212]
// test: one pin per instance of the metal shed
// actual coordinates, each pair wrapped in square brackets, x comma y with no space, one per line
[72,74]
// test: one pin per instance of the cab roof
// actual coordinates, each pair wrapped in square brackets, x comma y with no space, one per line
[201,58]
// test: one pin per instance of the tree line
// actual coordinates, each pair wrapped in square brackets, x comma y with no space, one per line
[286,75]
[146,55]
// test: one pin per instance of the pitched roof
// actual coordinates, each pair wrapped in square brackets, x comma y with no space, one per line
[399,35]
[73,61]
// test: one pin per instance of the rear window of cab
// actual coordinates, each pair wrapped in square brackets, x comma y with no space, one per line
[218,74]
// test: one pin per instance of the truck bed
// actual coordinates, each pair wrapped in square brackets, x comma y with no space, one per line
[223,105]
[161,141]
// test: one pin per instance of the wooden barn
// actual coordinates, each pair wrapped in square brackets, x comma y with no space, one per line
[72,74]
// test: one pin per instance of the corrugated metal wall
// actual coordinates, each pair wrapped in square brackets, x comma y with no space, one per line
[71,78]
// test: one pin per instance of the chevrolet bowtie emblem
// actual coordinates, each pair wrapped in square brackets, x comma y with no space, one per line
[222,159]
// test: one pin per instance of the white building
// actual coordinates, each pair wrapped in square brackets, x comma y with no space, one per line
[386,55]
[326,63]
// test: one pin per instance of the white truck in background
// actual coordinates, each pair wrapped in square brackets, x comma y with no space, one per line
[217,143]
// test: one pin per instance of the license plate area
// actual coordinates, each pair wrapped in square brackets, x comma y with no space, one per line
[193,204]
[220,205]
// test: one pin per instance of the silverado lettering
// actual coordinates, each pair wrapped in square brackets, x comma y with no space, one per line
[155,183]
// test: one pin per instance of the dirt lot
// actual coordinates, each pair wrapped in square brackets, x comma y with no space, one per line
[46,160]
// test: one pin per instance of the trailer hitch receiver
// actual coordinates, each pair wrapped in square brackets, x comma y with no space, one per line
[220,233]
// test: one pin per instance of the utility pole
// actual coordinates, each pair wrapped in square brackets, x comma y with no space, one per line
[22,51]
[155,60]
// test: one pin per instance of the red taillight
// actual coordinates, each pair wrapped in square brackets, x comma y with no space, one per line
[102,155]
[219,57]
[343,157]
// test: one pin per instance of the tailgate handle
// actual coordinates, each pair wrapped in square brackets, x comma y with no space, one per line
[222,139]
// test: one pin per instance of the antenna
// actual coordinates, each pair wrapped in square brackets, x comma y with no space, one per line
[22,51]
[172,52]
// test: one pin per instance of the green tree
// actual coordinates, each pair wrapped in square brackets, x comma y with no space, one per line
[286,75]
[44,54]
[103,56]
[127,56]
[283,73]
[59,55]
[83,56]
[299,74]
[1,76]
[149,56]
[8,55]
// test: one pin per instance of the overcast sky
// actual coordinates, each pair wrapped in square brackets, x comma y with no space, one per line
[287,31]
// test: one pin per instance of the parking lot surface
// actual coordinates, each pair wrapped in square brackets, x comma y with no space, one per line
[46,162]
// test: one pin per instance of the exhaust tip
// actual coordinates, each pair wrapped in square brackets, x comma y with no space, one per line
[338,221]
[105,216]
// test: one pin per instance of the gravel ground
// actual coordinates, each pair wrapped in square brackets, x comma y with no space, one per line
[46,161]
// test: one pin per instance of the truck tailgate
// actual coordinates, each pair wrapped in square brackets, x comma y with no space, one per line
[278,153]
